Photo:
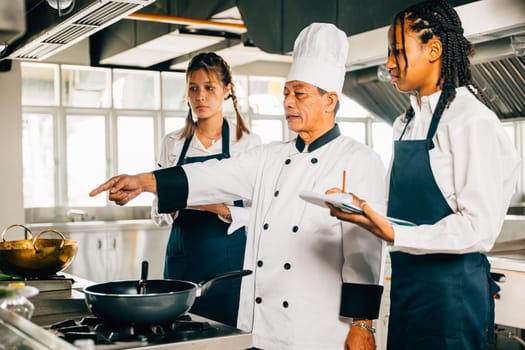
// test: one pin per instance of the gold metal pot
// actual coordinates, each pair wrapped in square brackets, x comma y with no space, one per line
[36,257]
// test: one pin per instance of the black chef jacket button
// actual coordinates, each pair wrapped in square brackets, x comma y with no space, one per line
[288,161]
[287,266]
[314,160]
[260,263]
[295,228]
[265,226]
[276,193]
[285,304]
[258,300]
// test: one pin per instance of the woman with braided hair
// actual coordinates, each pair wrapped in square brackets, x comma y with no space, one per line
[210,239]
[453,174]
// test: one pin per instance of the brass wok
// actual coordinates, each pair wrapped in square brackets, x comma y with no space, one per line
[36,256]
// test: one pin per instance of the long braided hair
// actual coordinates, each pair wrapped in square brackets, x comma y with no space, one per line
[436,18]
[211,62]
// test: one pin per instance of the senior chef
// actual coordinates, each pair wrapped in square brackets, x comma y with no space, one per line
[316,282]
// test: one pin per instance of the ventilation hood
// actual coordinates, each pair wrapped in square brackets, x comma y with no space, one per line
[49,32]
[502,82]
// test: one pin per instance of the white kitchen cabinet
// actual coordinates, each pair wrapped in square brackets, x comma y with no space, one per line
[91,261]
[130,248]
[109,251]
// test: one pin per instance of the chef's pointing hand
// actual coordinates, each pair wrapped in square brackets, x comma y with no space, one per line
[123,188]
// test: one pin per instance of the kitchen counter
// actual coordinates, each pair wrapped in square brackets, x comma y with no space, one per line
[507,260]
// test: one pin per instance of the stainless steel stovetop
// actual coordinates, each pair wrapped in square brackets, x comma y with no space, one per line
[17,333]
[188,332]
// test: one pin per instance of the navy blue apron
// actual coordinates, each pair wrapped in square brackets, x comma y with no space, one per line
[438,301]
[199,248]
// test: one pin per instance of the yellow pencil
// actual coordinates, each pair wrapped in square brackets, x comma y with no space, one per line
[344,180]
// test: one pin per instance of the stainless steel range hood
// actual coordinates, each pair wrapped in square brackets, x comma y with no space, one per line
[87,18]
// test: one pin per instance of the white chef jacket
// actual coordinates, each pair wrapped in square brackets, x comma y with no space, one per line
[476,167]
[300,255]
[169,156]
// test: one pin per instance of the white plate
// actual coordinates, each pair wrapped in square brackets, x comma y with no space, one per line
[343,201]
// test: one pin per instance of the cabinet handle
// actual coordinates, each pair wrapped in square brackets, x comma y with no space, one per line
[114,243]
[99,244]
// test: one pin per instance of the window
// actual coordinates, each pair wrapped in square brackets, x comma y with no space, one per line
[173,123]
[355,130]
[174,91]
[266,95]
[382,141]
[86,158]
[38,162]
[268,129]
[136,89]
[136,149]
[40,84]
[85,87]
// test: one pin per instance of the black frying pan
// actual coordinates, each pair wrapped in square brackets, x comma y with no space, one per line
[147,302]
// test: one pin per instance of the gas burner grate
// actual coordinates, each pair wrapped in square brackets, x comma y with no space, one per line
[93,328]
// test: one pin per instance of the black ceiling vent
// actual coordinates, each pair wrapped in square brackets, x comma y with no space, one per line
[50,31]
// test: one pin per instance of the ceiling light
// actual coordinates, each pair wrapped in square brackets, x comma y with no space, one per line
[62,5]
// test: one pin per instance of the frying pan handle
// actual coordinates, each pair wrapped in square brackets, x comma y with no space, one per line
[204,285]
[49,230]
[143,278]
[28,230]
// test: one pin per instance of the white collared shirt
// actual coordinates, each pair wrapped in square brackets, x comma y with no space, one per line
[476,167]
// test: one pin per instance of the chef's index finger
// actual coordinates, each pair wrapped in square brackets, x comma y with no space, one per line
[111,184]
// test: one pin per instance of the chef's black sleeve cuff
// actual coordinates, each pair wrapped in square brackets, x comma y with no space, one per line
[360,300]
[172,189]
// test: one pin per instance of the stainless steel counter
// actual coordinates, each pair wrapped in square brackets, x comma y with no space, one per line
[19,333]
[507,260]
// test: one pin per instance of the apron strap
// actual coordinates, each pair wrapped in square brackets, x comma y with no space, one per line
[405,128]
[430,134]
[225,139]
[184,150]
[432,131]
[225,135]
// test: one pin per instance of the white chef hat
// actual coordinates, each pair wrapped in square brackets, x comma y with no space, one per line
[319,57]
